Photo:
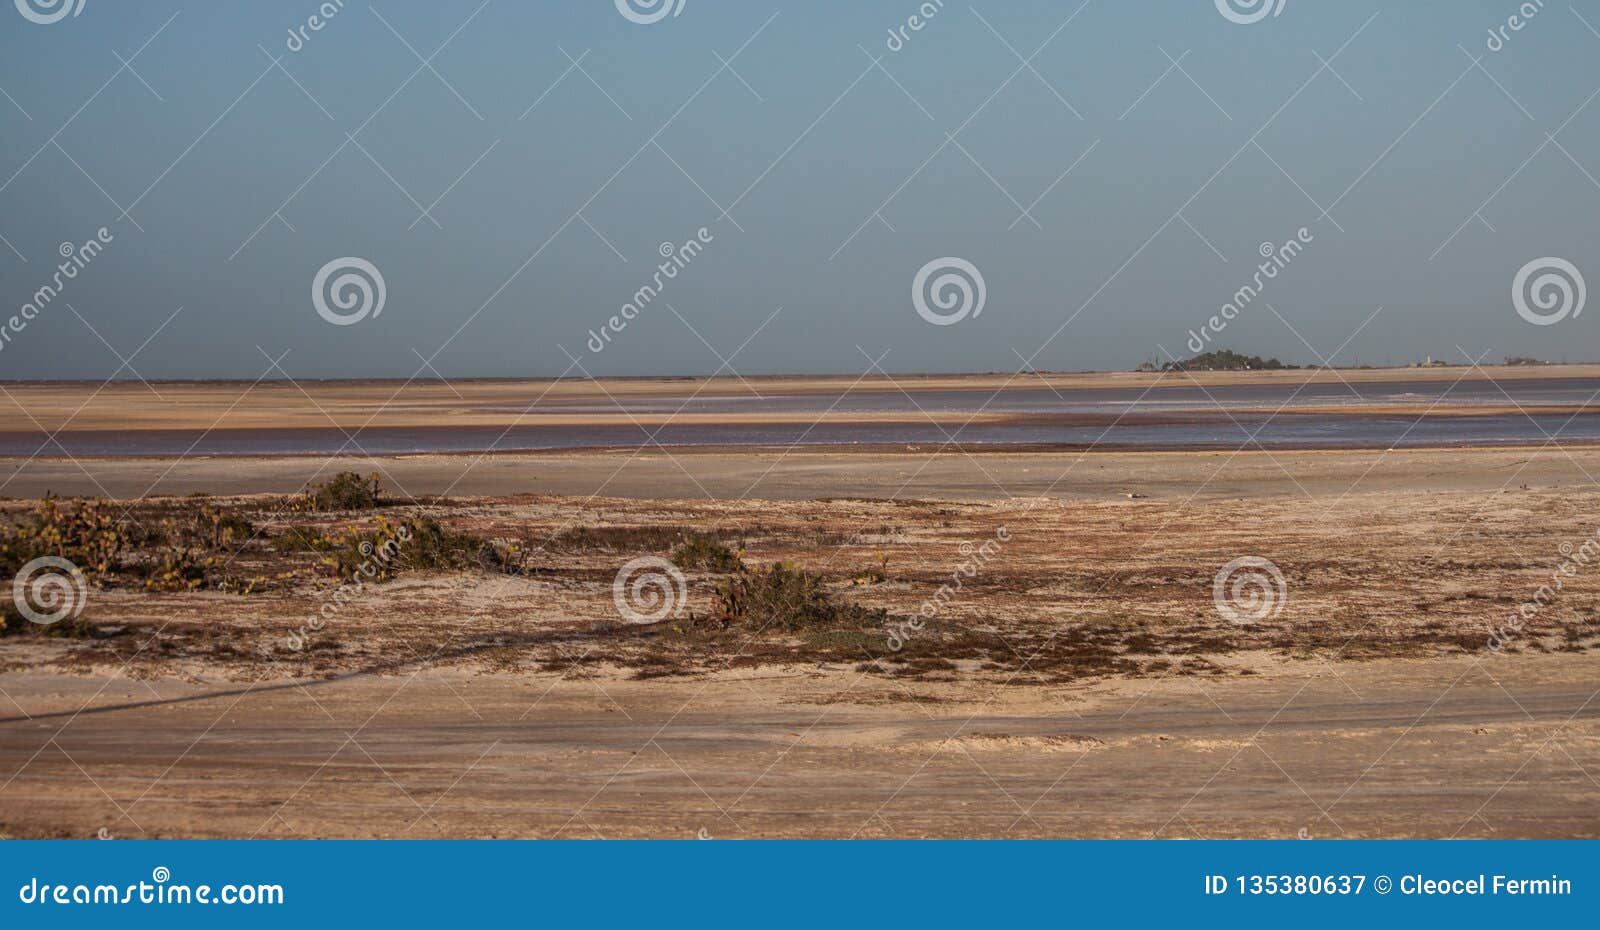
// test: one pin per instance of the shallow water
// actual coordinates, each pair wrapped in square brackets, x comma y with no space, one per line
[1176,418]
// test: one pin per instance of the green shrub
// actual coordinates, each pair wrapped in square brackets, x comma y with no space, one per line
[188,551]
[433,546]
[297,539]
[183,569]
[344,491]
[387,549]
[208,528]
[699,552]
[786,598]
[86,535]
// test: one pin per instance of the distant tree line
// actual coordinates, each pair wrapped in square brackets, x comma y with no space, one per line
[1226,360]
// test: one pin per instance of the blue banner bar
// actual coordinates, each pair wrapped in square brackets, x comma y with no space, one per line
[711,884]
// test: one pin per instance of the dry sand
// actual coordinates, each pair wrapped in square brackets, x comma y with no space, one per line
[1082,683]
[1373,751]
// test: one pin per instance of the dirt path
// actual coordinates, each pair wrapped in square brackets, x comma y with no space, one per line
[1468,746]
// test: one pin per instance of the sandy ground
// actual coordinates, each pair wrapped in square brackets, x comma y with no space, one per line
[1082,683]
[269,404]
[1380,749]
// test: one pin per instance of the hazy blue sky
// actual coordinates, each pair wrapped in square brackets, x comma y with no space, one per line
[804,156]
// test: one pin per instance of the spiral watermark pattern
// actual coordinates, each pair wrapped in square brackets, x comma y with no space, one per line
[948,290]
[49,589]
[645,12]
[1246,12]
[1548,290]
[1248,590]
[45,12]
[648,590]
[348,290]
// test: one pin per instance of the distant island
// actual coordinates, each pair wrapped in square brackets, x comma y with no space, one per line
[1226,360]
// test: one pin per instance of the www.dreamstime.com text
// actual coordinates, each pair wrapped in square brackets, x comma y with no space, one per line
[75,259]
[677,258]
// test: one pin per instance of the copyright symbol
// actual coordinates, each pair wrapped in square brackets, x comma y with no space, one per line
[1382,884]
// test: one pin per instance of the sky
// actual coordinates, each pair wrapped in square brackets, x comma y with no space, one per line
[1113,172]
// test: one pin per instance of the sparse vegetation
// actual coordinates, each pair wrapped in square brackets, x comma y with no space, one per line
[380,552]
[874,574]
[209,527]
[784,612]
[782,597]
[83,532]
[434,547]
[295,539]
[705,554]
[344,491]
[187,550]
[625,538]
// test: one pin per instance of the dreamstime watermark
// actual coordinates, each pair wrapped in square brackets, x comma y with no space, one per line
[1246,12]
[49,589]
[1248,590]
[916,22]
[948,290]
[45,12]
[645,12]
[648,590]
[1573,559]
[678,257]
[77,258]
[1277,258]
[976,557]
[1548,290]
[1516,22]
[348,290]
[316,22]
[375,558]
[156,891]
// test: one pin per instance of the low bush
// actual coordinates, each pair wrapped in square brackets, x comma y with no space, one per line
[702,553]
[786,598]
[344,491]
[433,546]
[218,529]
[297,539]
[83,533]
[387,549]
[189,550]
